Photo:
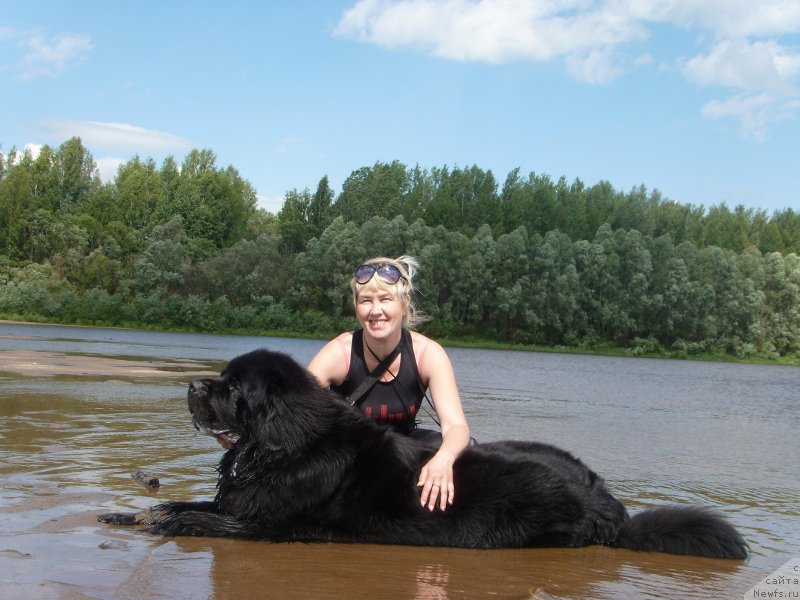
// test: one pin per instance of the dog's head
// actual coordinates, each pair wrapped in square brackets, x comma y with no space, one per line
[261,397]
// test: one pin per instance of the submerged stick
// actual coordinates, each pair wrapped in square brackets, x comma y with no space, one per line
[146,480]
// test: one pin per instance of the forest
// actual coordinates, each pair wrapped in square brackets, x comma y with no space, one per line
[527,260]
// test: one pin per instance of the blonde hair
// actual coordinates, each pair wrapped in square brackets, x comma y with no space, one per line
[402,289]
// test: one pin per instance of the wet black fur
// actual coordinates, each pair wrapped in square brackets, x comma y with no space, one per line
[307,467]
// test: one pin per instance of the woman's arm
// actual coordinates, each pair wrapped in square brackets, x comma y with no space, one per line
[436,477]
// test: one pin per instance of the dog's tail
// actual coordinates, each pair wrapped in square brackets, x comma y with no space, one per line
[682,530]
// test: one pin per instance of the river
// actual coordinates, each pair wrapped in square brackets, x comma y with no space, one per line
[721,435]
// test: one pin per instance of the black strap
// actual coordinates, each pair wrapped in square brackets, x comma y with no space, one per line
[423,391]
[370,379]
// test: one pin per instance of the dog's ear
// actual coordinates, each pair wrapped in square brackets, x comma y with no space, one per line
[289,417]
[286,408]
[278,417]
[242,412]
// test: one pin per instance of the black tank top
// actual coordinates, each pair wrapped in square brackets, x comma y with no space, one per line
[395,402]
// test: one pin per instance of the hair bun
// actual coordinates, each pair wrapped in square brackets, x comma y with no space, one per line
[410,264]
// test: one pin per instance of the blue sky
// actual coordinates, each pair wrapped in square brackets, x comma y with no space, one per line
[699,99]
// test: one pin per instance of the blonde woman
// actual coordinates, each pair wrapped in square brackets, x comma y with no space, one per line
[382,289]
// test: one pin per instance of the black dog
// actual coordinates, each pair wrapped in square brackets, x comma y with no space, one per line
[304,466]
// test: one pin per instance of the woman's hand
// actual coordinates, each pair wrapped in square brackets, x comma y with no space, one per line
[436,481]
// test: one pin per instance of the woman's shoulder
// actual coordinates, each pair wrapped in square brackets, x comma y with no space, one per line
[345,338]
[423,345]
[420,339]
[432,360]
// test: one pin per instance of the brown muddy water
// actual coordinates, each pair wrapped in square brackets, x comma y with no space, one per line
[101,403]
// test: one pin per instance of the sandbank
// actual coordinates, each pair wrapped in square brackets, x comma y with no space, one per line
[45,363]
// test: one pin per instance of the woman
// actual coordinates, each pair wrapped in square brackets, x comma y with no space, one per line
[382,296]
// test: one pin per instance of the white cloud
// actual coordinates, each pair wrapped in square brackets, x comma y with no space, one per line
[746,65]
[17,156]
[272,204]
[764,72]
[50,57]
[595,67]
[724,18]
[598,40]
[756,113]
[286,144]
[33,149]
[116,136]
[108,167]
[7,33]
[494,31]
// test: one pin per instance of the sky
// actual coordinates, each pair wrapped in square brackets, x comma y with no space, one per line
[699,99]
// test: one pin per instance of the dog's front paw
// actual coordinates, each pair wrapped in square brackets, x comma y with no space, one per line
[119,518]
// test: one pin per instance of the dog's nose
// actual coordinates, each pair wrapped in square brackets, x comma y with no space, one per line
[196,386]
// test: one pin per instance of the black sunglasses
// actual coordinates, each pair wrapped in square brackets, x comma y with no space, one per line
[389,273]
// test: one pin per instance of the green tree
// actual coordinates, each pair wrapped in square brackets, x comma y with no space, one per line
[512,291]
[599,205]
[163,265]
[382,237]
[788,224]
[780,319]
[420,193]
[634,271]
[246,272]
[726,229]
[372,191]
[319,210]
[170,181]
[323,271]
[443,208]
[95,271]
[555,290]
[304,216]
[15,201]
[214,204]
[634,211]
[139,194]
[463,199]
[42,236]
[44,179]
[77,172]
[101,204]
[737,302]
[293,221]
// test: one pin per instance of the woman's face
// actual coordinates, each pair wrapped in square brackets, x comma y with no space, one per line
[380,312]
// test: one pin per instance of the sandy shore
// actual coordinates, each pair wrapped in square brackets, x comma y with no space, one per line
[40,363]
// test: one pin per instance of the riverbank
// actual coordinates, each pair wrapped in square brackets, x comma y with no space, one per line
[643,350]
[622,352]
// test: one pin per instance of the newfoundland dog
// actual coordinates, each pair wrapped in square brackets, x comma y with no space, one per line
[302,465]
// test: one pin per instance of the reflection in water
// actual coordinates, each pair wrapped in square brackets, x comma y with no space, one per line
[300,571]
[432,582]
[659,431]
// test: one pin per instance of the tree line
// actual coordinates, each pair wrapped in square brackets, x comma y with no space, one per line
[530,261]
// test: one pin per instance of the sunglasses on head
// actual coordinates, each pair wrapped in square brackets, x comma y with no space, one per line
[389,273]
